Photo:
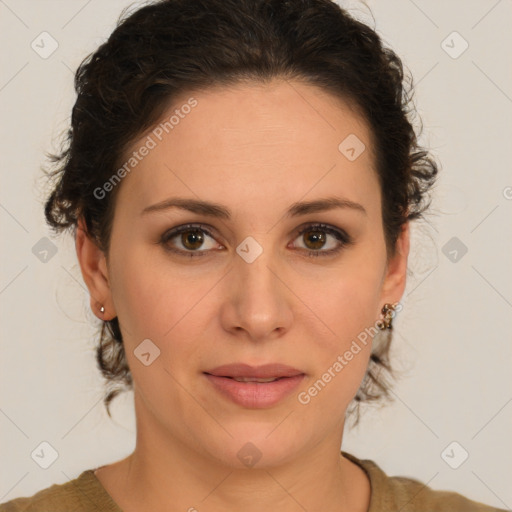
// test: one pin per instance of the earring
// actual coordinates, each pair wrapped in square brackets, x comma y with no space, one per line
[388,312]
[102,309]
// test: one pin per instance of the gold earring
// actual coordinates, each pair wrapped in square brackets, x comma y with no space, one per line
[388,312]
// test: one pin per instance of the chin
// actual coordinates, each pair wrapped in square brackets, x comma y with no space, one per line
[256,446]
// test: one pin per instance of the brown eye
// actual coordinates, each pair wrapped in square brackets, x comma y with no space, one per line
[314,239]
[189,241]
[322,240]
[192,239]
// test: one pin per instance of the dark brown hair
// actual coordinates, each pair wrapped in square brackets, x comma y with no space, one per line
[172,47]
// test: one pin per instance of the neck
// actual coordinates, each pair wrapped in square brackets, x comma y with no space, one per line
[163,473]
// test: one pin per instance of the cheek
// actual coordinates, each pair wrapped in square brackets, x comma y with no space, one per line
[166,310]
[170,309]
[346,300]
[345,309]
[138,301]
[148,300]
[342,353]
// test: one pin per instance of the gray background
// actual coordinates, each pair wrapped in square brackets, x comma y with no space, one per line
[453,342]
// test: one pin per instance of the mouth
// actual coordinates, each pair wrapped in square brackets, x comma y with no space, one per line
[246,373]
[249,379]
[255,392]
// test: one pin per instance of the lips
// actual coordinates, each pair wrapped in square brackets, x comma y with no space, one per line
[245,371]
[255,387]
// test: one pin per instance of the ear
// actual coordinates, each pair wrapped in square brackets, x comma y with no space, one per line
[396,271]
[93,264]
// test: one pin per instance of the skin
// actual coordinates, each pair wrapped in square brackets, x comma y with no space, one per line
[256,149]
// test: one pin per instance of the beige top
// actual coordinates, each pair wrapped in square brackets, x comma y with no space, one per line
[389,494]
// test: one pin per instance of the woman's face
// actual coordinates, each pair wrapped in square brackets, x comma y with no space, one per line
[249,288]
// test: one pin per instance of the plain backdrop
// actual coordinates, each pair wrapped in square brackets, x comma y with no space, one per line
[453,342]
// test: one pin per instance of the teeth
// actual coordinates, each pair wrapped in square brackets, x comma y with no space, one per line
[251,379]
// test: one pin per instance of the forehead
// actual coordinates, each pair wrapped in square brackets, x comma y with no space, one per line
[255,140]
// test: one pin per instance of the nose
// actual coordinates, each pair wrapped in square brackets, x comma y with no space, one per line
[257,303]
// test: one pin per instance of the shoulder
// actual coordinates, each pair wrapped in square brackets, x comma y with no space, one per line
[414,495]
[411,495]
[82,494]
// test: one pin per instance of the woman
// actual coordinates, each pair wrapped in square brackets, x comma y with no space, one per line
[239,179]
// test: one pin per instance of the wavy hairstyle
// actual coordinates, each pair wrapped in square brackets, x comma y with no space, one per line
[172,47]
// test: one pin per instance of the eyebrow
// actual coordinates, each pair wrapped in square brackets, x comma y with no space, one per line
[218,211]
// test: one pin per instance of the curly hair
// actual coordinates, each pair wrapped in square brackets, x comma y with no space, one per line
[170,47]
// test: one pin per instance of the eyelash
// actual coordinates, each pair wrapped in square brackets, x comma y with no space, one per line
[343,238]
